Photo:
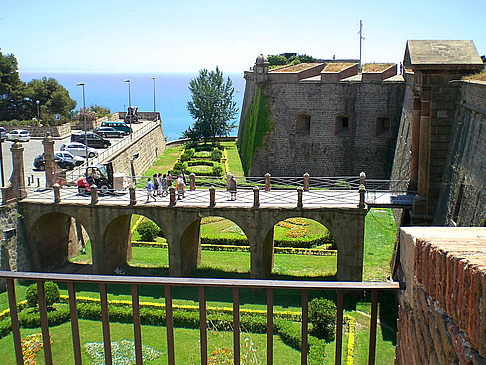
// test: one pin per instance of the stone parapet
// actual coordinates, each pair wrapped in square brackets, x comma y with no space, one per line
[442,315]
[35,131]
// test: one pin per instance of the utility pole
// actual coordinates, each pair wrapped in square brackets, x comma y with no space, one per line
[360,39]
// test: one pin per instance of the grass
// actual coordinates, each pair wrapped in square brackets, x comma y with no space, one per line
[376,67]
[186,343]
[165,161]
[480,76]
[295,68]
[234,161]
[337,66]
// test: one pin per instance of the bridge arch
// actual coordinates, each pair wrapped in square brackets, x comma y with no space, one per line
[53,238]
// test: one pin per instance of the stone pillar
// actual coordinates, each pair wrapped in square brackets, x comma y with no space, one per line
[116,243]
[94,194]
[261,251]
[192,181]
[256,197]
[172,195]
[414,151]
[212,196]
[299,197]
[191,248]
[424,149]
[348,232]
[362,178]
[57,193]
[133,196]
[306,182]
[49,159]
[362,191]
[15,188]
[267,182]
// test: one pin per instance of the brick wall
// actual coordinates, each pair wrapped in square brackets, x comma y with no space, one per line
[463,197]
[321,152]
[442,311]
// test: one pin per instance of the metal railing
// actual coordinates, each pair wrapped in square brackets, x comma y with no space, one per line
[108,152]
[168,283]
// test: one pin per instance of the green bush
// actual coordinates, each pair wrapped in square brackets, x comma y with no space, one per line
[148,231]
[200,163]
[176,170]
[30,318]
[187,155]
[322,315]
[216,155]
[51,291]
[190,144]
[217,170]
[303,242]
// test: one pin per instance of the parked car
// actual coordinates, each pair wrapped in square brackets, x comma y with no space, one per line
[107,132]
[18,135]
[77,160]
[93,140]
[119,126]
[79,149]
[63,163]
[3,134]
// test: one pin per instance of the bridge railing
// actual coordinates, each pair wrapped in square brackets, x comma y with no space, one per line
[235,285]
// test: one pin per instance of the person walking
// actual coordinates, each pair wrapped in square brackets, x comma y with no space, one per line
[169,179]
[156,183]
[159,181]
[163,180]
[232,188]
[150,190]
[183,176]
[180,187]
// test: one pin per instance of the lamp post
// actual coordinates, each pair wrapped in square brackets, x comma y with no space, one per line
[38,111]
[129,106]
[153,78]
[85,123]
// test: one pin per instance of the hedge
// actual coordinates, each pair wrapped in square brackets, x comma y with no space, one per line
[303,242]
[327,251]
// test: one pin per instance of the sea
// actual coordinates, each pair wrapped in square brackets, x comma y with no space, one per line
[171,94]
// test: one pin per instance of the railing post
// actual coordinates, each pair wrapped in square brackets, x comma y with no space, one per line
[306,182]
[299,197]
[212,196]
[256,197]
[267,182]
[94,194]
[172,194]
[57,193]
[133,195]
[362,178]
[362,191]
[192,181]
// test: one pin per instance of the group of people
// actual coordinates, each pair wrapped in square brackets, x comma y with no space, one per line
[158,185]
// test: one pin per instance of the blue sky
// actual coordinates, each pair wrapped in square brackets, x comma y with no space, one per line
[184,36]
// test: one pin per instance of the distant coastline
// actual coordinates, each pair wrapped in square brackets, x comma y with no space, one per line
[109,90]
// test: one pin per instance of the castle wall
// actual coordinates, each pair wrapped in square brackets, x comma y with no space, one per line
[463,194]
[323,150]
[442,313]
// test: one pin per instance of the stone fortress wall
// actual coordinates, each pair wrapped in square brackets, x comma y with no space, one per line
[306,118]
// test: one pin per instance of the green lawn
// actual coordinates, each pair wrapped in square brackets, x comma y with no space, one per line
[165,161]
[234,162]
[186,343]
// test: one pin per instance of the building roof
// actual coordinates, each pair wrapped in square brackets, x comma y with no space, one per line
[423,53]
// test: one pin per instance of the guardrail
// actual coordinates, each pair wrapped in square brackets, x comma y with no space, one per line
[108,152]
[341,288]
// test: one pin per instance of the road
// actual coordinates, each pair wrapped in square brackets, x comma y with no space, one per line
[34,148]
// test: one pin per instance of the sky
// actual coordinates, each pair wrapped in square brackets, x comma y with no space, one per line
[185,35]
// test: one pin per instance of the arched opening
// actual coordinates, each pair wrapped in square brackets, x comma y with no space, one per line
[147,251]
[59,242]
[225,250]
[303,247]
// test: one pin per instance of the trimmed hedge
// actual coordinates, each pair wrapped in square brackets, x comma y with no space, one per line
[303,242]
[201,162]
[51,294]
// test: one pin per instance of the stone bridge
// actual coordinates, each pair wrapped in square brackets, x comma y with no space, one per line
[47,229]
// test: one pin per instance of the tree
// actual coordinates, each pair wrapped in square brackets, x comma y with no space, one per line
[212,106]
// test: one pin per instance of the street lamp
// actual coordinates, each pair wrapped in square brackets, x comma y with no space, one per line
[38,111]
[129,106]
[85,123]
[153,78]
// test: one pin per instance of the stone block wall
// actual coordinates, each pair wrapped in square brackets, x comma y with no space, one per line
[322,150]
[55,131]
[442,310]
[463,197]
[149,147]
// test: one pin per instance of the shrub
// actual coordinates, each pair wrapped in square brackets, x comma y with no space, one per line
[216,155]
[176,169]
[51,291]
[217,170]
[200,163]
[187,155]
[322,315]
[190,144]
[148,231]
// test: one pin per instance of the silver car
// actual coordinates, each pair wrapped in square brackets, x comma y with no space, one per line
[79,149]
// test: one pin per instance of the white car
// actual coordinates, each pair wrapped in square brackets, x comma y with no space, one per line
[18,135]
[77,160]
[79,149]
